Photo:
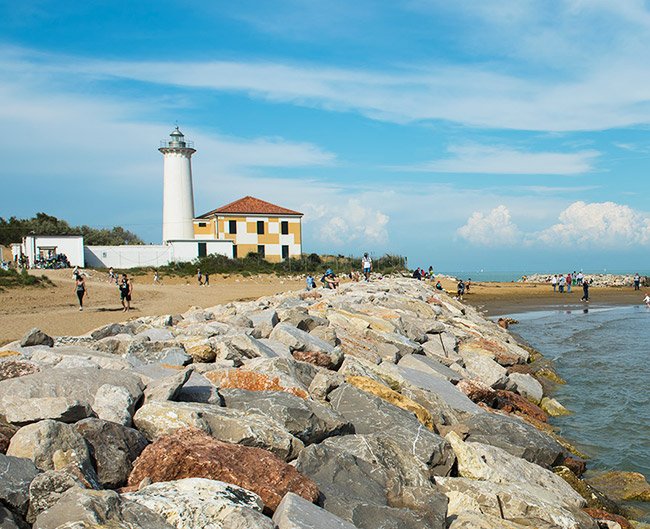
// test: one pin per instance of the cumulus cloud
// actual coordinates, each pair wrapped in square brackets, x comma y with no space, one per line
[492,229]
[349,222]
[599,223]
[487,159]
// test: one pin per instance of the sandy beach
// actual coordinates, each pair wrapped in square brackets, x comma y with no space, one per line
[55,309]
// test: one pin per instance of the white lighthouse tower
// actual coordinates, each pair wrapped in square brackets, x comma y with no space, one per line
[178,196]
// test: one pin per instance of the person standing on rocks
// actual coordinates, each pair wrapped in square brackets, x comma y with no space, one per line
[80,289]
[126,289]
[366,264]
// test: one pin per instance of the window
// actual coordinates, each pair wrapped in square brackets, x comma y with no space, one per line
[260,227]
[202,224]
[260,250]
[285,251]
[234,251]
[203,249]
[284,227]
[232,226]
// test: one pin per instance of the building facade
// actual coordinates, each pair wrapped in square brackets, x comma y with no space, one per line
[254,226]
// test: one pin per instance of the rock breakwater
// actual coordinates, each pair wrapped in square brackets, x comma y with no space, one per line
[380,405]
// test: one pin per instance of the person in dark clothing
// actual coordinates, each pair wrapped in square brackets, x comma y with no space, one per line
[585,291]
[80,289]
[126,289]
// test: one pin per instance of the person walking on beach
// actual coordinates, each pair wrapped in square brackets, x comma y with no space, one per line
[554,282]
[80,289]
[585,291]
[561,282]
[646,300]
[568,283]
[156,278]
[637,281]
[199,277]
[366,265]
[126,289]
[206,280]
[460,290]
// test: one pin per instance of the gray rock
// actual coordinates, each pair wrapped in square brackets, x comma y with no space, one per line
[403,344]
[114,403]
[362,475]
[46,489]
[114,449]
[299,340]
[81,508]
[36,337]
[15,476]
[526,385]
[307,420]
[21,411]
[156,335]
[281,350]
[370,414]
[159,418]
[196,503]
[295,512]
[78,356]
[263,322]
[250,347]
[515,437]
[324,382]
[441,412]
[75,384]
[485,369]
[289,371]
[173,356]
[112,329]
[53,445]
[167,388]
[429,366]
[8,519]
[199,389]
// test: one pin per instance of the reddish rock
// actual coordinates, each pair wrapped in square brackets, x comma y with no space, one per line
[6,433]
[512,403]
[313,294]
[477,391]
[506,358]
[17,368]
[503,323]
[314,357]
[525,369]
[191,453]
[599,514]
[240,379]
[577,465]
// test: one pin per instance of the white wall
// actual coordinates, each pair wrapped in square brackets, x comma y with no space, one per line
[72,247]
[133,256]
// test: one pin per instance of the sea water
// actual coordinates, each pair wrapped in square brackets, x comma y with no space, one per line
[604,356]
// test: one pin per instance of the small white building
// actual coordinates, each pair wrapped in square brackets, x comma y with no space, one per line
[37,248]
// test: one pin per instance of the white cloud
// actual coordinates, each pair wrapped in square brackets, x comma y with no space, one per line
[348,222]
[492,229]
[599,224]
[487,159]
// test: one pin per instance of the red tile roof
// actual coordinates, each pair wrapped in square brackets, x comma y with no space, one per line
[250,205]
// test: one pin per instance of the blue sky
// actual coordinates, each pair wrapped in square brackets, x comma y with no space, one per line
[497,135]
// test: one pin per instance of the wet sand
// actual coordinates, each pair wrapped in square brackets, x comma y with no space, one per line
[55,309]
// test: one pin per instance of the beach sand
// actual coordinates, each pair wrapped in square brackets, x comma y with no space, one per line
[55,309]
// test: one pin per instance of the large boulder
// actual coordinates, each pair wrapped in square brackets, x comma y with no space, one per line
[513,502]
[489,463]
[115,404]
[47,488]
[515,437]
[361,476]
[295,512]
[167,388]
[7,431]
[196,502]
[75,385]
[254,381]
[114,448]
[191,453]
[250,347]
[53,445]
[485,369]
[36,337]
[299,340]
[98,508]
[370,414]
[199,389]
[156,419]
[307,420]
[526,385]
[16,474]
[14,368]
[8,520]
[622,486]
[21,411]
[429,366]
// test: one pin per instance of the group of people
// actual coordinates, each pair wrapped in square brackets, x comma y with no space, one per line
[202,278]
[422,274]
[123,283]
[562,283]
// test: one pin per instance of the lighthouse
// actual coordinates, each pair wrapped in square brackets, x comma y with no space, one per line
[178,196]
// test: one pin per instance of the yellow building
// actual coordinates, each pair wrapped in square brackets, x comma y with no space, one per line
[254,226]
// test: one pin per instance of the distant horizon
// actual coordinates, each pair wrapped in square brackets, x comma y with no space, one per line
[492,135]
